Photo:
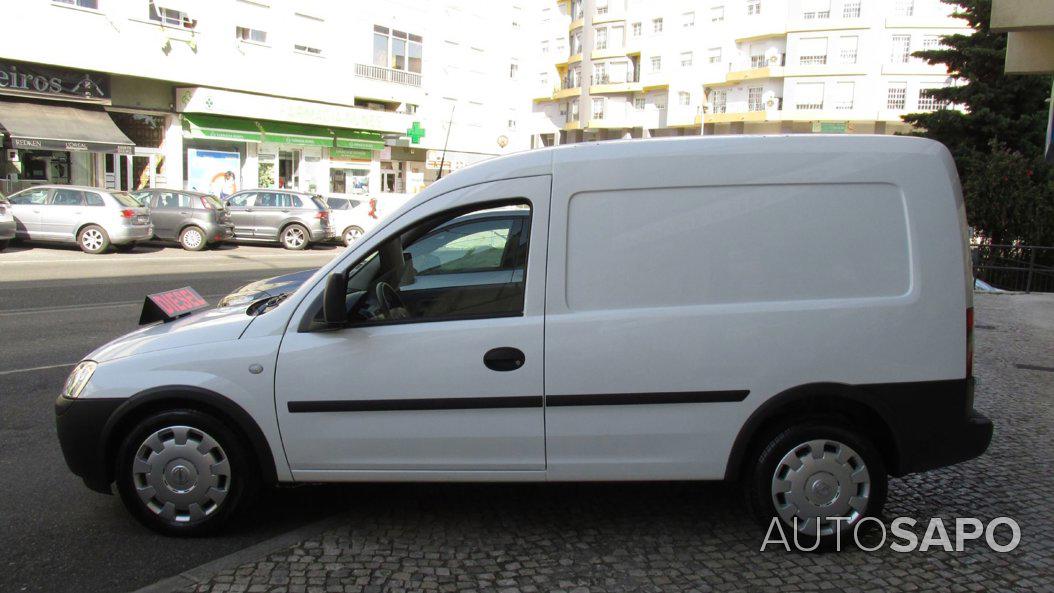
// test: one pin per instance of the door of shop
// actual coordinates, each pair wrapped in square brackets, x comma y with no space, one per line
[289,169]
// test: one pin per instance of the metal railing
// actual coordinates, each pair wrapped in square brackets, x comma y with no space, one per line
[388,74]
[1028,268]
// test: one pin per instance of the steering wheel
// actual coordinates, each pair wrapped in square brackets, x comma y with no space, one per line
[392,305]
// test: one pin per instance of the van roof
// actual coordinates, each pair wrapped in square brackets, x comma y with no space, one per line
[542,161]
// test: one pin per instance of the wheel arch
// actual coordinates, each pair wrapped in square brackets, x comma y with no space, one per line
[77,233]
[172,397]
[850,403]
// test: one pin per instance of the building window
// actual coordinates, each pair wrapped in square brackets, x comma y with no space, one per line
[904,8]
[576,43]
[843,95]
[928,102]
[601,39]
[719,101]
[92,4]
[754,102]
[543,79]
[717,14]
[514,70]
[576,9]
[660,103]
[813,51]
[512,124]
[397,50]
[757,61]
[689,20]
[815,9]
[901,49]
[851,10]
[686,59]
[848,49]
[931,42]
[714,55]
[598,108]
[574,110]
[409,108]
[895,97]
[684,98]
[638,103]
[600,73]
[656,25]
[602,6]
[637,28]
[545,47]
[809,96]
[307,49]
[656,64]
[753,7]
[253,35]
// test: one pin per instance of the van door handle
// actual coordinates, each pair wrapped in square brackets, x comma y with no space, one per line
[504,359]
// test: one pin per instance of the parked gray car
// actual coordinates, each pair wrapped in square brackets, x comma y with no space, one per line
[93,218]
[194,219]
[294,219]
[7,223]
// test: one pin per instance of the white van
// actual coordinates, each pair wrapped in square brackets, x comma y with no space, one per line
[790,312]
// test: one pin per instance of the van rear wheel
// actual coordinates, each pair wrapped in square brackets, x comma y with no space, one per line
[811,473]
[183,472]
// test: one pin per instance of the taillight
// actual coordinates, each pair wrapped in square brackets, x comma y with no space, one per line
[969,342]
[205,203]
[127,213]
[322,214]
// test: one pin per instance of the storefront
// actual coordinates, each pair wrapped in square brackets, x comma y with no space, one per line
[55,129]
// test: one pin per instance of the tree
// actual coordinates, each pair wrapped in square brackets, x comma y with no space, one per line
[998,134]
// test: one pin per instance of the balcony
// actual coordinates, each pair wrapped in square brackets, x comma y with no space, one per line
[388,75]
[756,112]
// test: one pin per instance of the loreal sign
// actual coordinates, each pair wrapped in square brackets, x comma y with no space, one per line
[21,78]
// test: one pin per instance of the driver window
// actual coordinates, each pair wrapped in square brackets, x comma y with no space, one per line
[461,265]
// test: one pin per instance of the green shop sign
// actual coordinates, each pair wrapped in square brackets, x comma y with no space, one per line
[351,153]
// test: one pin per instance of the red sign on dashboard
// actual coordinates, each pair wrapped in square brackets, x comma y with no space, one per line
[168,305]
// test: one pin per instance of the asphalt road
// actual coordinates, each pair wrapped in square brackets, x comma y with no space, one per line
[55,534]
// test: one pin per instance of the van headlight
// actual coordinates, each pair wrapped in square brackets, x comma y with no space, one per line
[78,379]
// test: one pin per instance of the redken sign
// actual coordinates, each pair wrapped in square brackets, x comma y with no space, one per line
[20,78]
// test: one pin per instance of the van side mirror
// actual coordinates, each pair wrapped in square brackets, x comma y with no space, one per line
[334,300]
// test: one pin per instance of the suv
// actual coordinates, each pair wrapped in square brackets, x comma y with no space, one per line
[194,219]
[92,218]
[294,219]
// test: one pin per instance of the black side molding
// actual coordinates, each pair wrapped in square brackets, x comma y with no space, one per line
[525,401]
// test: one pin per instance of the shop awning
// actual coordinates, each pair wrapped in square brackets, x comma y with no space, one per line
[223,128]
[359,139]
[33,126]
[296,134]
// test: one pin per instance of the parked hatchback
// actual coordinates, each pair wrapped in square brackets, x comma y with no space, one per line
[94,219]
[294,219]
[194,219]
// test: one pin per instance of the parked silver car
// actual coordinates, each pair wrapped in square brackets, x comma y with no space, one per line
[7,223]
[294,219]
[194,219]
[93,218]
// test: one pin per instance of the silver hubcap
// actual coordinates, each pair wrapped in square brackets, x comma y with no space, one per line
[91,239]
[818,480]
[192,238]
[294,237]
[352,235]
[181,474]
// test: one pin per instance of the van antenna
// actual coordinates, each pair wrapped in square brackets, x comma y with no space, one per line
[442,159]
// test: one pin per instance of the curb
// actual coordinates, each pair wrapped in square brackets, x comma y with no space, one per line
[204,572]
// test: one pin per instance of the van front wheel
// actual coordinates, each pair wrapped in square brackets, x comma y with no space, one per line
[183,472]
[819,479]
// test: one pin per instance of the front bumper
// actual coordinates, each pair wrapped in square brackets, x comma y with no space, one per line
[81,425]
[7,230]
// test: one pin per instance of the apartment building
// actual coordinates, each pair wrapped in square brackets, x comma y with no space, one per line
[332,97]
[634,68]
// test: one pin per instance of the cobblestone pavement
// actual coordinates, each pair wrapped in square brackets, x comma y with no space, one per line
[694,537]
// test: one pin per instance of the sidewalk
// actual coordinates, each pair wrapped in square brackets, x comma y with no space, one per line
[694,537]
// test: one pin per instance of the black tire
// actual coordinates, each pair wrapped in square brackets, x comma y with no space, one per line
[4,244]
[351,234]
[93,239]
[193,238]
[295,237]
[240,483]
[126,248]
[760,478]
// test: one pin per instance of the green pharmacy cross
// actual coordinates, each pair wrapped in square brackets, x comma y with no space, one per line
[416,132]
